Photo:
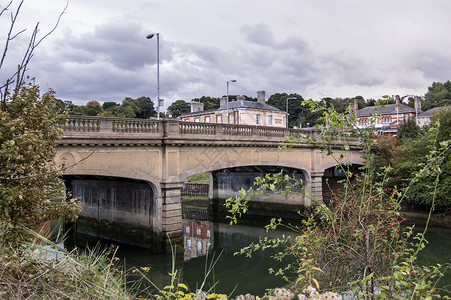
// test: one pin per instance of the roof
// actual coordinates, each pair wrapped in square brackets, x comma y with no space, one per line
[388,109]
[431,111]
[235,105]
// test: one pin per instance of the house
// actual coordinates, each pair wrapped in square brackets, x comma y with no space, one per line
[385,118]
[424,118]
[238,112]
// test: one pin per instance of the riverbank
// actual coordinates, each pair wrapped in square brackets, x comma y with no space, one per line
[419,218]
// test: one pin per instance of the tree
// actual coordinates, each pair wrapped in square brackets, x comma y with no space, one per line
[209,102]
[142,107]
[408,129]
[438,95]
[29,179]
[92,108]
[443,116]
[123,112]
[31,191]
[109,105]
[179,107]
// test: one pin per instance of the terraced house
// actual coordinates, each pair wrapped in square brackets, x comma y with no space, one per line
[386,118]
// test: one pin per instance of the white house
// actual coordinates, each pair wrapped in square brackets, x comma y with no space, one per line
[239,112]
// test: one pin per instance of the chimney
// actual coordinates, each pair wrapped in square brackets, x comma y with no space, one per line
[223,102]
[196,106]
[261,97]
[356,105]
[351,107]
[418,104]
[397,105]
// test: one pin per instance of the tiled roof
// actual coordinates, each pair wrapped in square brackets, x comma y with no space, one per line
[388,109]
[234,105]
[428,113]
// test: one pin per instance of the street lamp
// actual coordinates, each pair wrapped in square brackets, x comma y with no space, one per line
[286,106]
[158,70]
[227,105]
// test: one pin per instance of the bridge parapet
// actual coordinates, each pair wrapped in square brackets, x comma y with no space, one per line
[244,131]
[87,127]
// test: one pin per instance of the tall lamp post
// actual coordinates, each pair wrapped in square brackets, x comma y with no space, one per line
[286,106]
[158,70]
[227,105]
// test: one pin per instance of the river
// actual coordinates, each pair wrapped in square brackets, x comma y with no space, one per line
[233,274]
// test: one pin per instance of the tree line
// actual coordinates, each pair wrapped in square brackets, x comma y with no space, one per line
[300,115]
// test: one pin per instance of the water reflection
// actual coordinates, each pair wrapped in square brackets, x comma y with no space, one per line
[197,238]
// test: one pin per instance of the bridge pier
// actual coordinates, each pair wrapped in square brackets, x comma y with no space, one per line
[171,216]
[315,188]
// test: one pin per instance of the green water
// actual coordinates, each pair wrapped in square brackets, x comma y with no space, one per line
[236,273]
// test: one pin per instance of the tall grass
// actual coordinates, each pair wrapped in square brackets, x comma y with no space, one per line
[44,270]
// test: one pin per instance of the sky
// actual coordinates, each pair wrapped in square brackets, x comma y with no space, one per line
[320,48]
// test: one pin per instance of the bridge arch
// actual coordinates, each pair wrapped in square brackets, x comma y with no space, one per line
[115,208]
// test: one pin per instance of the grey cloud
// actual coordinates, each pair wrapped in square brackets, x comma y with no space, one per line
[122,43]
[434,66]
[259,34]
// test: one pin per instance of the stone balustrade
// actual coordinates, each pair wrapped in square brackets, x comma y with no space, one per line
[103,127]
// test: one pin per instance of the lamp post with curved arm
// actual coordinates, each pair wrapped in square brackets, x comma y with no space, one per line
[158,70]
[227,105]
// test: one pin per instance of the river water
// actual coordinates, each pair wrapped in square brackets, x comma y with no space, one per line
[209,238]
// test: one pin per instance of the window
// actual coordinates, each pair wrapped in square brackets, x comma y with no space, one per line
[219,119]
[198,231]
[257,119]
[196,119]
[207,119]
[386,120]
[270,120]
[232,118]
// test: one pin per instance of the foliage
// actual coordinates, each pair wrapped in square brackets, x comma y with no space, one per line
[442,117]
[402,159]
[438,95]
[209,102]
[355,243]
[418,152]
[408,129]
[109,105]
[43,270]
[28,177]
[179,107]
[143,107]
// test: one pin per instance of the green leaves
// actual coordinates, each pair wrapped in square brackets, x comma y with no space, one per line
[31,191]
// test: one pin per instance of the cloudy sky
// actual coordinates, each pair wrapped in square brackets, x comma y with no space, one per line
[316,48]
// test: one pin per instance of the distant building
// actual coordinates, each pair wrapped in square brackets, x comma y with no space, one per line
[239,112]
[385,118]
[424,118]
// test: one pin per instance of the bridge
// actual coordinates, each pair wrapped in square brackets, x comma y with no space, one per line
[162,154]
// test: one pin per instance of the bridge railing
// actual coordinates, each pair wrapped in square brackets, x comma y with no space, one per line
[104,127]
[245,132]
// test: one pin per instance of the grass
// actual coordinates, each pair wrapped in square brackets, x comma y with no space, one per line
[43,270]
[200,178]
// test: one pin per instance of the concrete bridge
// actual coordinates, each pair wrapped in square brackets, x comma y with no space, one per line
[163,154]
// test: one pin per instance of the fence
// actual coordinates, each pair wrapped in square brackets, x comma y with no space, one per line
[195,189]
